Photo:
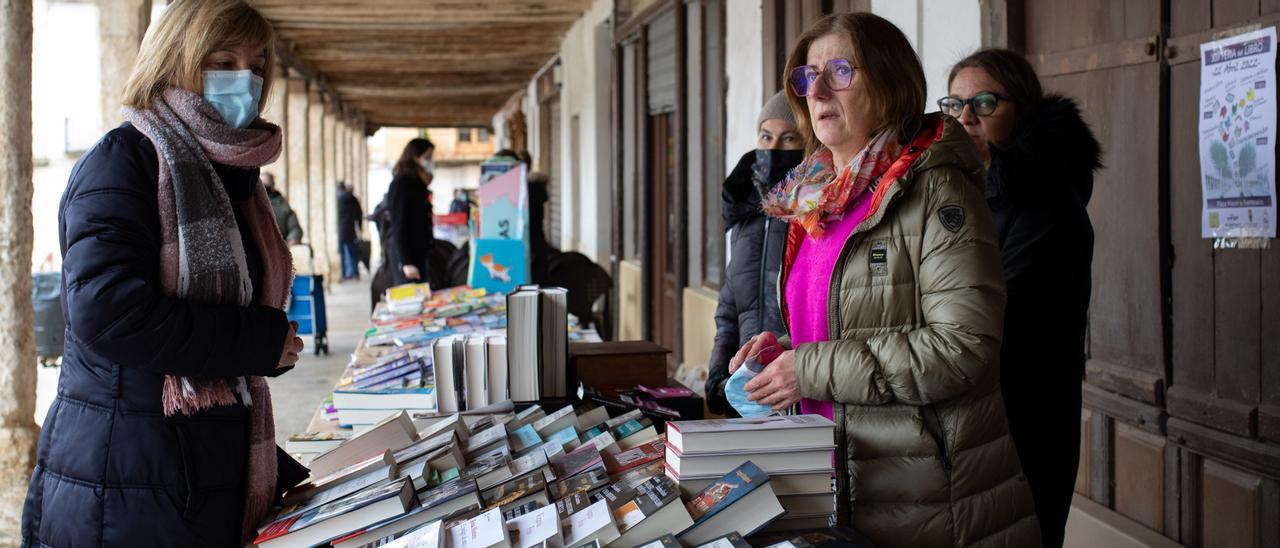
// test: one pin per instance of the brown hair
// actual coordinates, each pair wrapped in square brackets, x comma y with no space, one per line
[1011,70]
[175,47]
[891,72]
[408,162]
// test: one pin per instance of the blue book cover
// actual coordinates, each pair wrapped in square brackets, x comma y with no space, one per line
[628,428]
[525,437]
[401,360]
[498,266]
[725,491]
[566,436]
[593,432]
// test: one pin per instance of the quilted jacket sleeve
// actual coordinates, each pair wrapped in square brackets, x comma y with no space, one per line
[961,302]
[110,232]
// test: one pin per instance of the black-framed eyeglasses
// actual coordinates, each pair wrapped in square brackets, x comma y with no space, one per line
[837,74]
[983,104]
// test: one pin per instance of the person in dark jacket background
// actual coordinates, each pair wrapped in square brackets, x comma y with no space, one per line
[1041,157]
[174,279]
[349,219]
[748,292]
[286,219]
[409,213]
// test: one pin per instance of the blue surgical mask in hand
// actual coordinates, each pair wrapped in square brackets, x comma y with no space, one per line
[234,94]
[735,389]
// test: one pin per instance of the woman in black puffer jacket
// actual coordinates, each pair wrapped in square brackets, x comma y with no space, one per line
[1041,157]
[749,292]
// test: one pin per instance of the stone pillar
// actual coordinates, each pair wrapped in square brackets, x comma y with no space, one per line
[277,112]
[297,139]
[18,432]
[121,25]
[317,188]
[331,110]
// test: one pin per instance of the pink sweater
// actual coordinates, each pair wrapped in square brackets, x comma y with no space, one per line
[809,284]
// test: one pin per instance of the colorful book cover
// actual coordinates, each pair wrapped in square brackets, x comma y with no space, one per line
[341,506]
[514,490]
[724,492]
[504,206]
[524,438]
[654,450]
[581,483]
[565,437]
[630,427]
[580,460]
[593,432]
[499,265]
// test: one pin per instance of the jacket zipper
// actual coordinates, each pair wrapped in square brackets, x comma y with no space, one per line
[764,260]
[833,332]
[838,409]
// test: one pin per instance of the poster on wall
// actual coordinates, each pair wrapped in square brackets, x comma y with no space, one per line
[1237,136]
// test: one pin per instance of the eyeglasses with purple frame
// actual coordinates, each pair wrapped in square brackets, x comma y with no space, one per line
[837,74]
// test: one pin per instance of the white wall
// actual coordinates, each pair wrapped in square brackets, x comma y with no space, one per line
[744,93]
[582,227]
[942,31]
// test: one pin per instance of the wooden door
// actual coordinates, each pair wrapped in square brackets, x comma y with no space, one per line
[664,234]
[1180,424]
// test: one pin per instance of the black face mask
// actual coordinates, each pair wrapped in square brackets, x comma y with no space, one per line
[771,166]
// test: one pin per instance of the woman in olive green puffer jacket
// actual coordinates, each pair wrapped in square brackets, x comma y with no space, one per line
[898,320]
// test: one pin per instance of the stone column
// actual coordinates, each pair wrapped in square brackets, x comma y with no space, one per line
[297,139]
[317,187]
[331,109]
[277,112]
[18,432]
[121,25]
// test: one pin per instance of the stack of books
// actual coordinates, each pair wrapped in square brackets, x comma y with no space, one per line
[794,451]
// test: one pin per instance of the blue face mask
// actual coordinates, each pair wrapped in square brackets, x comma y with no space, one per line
[234,94]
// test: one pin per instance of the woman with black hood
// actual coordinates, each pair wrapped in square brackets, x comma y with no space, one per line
[749,295]
[1041,157]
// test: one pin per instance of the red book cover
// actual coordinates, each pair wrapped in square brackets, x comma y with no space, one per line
[276,530]
[635,457]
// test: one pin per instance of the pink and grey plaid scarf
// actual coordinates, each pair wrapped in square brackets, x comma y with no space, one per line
[202,257]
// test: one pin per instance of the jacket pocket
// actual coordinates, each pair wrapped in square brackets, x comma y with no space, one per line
[933,425]
[188,501]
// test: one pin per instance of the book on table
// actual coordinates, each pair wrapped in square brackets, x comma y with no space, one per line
[539,526]
[741,501]
[650,451]
[346,480]
[315,442]
[421,398]
[798,483]
[487,530]
[771,463]
[762,434]
[394,432]
[448,361]
[585,482]
[476,365]
[655,509]
[580,460]
[731,540]
[593,523]
[537,342]
[340,517]
[435,504]
[664,541]
[360,420]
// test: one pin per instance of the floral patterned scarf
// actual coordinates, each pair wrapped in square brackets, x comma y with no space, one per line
[813,192]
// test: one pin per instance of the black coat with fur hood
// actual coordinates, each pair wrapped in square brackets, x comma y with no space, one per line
[1038,187]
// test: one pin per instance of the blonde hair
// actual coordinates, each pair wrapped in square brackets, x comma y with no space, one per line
[890,70]
[175,47]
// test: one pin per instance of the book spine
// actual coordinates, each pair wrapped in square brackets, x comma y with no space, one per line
[400,361]
[405,370]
